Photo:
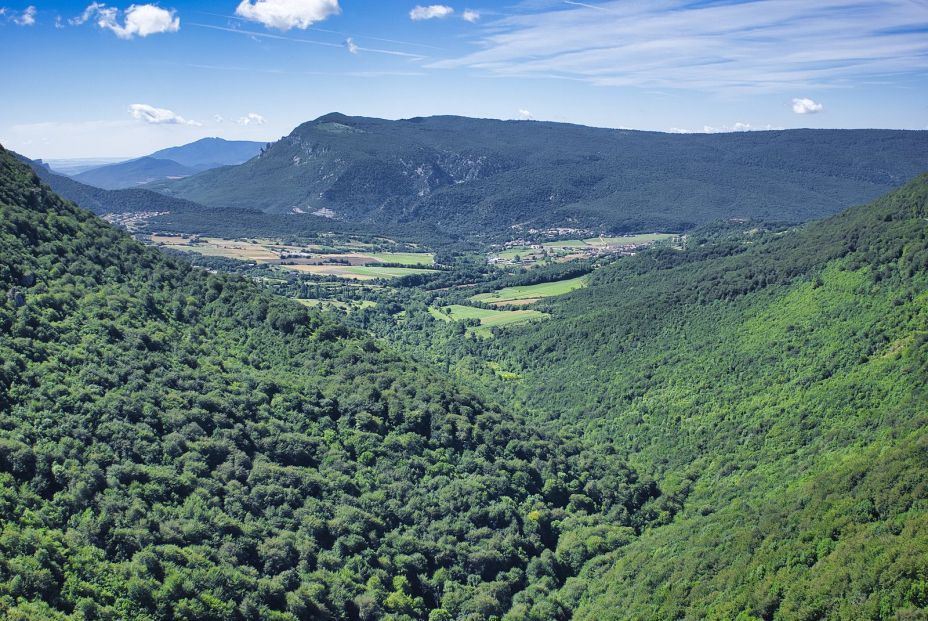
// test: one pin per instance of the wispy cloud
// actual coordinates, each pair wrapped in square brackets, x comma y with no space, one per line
[340,33]
[336,74]
[717,46]
[287,14]
[267,35]
[158,116]
[139,20]
[804,105]
[470,15]
[348,44]
[433,11]
[586,5]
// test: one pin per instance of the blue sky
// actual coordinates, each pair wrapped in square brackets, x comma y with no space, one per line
[118,80]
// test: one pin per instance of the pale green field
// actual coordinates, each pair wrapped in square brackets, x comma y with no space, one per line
[357,272]
[526,294]
[645,238]
[385,272]
[403,258]
[599,242]
[488,318]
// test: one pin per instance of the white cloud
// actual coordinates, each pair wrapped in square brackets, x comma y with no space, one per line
[287,14]
[252,118]
[470,15]
[525,114]
[730,45]
[433,11]
[218,118]
[158,116]
[804,105]
[26,18]
[351,45]
[139,20]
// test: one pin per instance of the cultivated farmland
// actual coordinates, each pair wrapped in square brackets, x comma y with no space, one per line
[488,318]
[527,294]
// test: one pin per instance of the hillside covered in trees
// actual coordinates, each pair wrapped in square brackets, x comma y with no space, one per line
[737,429]
[182,445]
[778,386]
[479,177]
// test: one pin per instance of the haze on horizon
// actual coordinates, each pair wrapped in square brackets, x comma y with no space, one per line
[123,80]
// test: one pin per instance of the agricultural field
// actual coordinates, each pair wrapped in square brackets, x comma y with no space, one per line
[602,242]
[402,258]
[257,251]
[528,294]
[356,272]
[488,318]
[347,259]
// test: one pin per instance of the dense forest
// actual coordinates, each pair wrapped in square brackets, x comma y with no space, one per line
[735,428]
[182,445]
[781,385]
[772,382]
[479,177]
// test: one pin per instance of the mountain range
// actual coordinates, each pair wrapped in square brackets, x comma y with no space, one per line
[479,177]
[171,163]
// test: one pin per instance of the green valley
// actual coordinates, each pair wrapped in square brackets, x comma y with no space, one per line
[728,423]
[179,444]
[543,310]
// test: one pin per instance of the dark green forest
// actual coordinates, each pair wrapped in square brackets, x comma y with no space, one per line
[180,445]
[735,429]
[773,383]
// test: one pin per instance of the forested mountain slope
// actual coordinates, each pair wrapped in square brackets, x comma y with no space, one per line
[181,445]
[778,390]
[479,177]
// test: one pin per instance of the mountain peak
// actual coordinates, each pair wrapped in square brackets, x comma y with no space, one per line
[333,117]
